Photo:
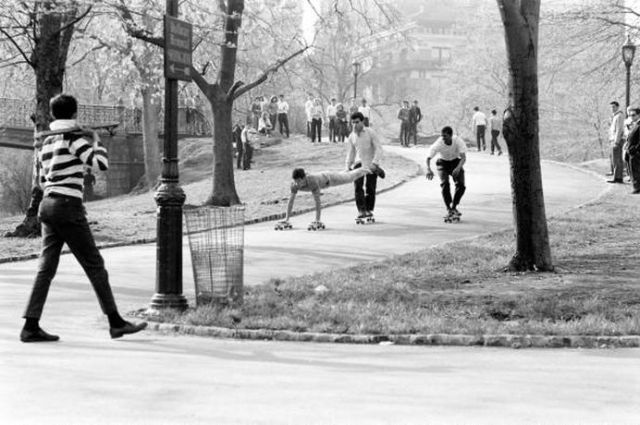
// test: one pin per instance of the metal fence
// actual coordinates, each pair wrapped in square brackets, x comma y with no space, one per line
[216,240]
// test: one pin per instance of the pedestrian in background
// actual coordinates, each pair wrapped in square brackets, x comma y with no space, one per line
[272,109]
[283,116]
[632,150]
[365,110]
[331,119]
[415,116]
[479,123]
[405,127]
[616,140]
[316,121]
[495,124]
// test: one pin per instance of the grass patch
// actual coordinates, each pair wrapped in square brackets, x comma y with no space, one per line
[461,288]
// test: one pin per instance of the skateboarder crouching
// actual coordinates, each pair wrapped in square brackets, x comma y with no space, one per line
[314,182]
[452,151]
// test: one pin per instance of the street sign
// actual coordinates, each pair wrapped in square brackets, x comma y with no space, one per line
[177,49]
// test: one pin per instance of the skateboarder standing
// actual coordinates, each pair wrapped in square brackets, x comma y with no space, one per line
[62,160]
[314,182]
[452,151]
[364,150]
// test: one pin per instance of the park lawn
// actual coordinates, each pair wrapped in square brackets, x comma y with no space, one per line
[264,190]
[462,288]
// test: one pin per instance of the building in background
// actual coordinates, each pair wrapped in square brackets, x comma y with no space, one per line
[409,62]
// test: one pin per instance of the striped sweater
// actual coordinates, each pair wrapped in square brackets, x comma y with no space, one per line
[64,158]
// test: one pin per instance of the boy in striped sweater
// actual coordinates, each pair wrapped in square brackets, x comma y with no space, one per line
[62,161]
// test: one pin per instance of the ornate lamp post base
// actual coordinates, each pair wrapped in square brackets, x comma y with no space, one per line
[164,301]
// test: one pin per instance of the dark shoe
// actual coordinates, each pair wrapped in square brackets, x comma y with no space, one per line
[615,181]
[636,192]
[499,153]
[129,328]
[378,171]
[37,336]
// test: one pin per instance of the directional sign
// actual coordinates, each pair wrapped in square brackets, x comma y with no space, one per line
[177,49]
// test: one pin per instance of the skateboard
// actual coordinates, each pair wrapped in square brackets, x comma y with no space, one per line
[82,131]
[365,220]
[452,217]
[316,225]
[283,225]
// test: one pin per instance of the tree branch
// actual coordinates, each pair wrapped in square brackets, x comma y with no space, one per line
[262,77]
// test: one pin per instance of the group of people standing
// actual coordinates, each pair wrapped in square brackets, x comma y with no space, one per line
[335,115]
[266,113]
[409,117]
[624,145]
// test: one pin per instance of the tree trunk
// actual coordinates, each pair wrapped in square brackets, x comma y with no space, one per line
[224,187]
[150,130]
[520,19]
[221,98]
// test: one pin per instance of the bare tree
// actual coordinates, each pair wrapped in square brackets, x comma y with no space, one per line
[520,19]
[222,93]
[40,33]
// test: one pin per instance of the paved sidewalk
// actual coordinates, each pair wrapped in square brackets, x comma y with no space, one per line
[86,378]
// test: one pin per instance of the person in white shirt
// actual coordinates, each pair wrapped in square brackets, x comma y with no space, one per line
[283,116]
[495,124]
[316,121]
[331,119]
[479,121]
[453,154]
[616,140]
[364,150]
[365,110]
[308,105]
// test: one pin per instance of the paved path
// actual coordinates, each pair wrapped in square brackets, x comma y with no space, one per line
[87,378]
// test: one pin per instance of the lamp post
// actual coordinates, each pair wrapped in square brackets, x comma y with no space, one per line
[628,51]
[356,70]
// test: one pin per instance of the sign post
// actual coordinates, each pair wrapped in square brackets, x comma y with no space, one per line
[170,197]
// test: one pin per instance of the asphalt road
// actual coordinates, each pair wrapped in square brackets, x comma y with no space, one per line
[151,378]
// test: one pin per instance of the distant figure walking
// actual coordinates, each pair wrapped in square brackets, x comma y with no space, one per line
[495,124]
[479,121]
[62,160]
[316,121]
[88,181]
[365,110]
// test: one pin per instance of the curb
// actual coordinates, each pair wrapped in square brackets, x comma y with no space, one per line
[509,341]
[272,217]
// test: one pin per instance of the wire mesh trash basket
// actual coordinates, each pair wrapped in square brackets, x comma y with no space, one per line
[216,241]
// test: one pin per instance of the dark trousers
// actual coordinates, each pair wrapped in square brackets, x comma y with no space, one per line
[617,166]
[365,191]
[316,129]
[634,171]
[444,169]
[240,153]
[480,130]
[247,156]
[366,121]
[494,140]
[405,132]
[283,121]
[333,134]
[414,132]
[64,221]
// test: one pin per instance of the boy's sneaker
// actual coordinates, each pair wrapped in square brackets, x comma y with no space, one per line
[378,171]
[362,214]
[454,211]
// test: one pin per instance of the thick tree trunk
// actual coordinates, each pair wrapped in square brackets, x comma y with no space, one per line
[221,99]
[150,130]
[520,19]
[224,187]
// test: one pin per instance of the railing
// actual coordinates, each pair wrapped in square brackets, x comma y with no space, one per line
[16,112]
